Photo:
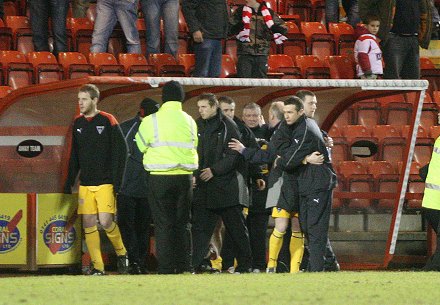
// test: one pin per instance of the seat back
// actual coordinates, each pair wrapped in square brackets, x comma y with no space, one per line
[160,59]
[106,64]
[341,67]
[5,90]
[228,67]
[368,113]
[17,72]
[188,61]
[82,30]
[75,65]
[303,8]
[136,65]
[46,67]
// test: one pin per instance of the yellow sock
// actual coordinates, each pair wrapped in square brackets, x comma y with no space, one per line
[217,263]
[296,248]
[114,235]
[275,244]
[93,243]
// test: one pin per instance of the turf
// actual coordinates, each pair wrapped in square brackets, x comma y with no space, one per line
[305,288]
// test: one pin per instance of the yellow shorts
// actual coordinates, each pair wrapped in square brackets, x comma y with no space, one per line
[282,213]
[96,199]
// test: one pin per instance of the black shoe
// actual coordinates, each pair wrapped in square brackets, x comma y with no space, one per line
[122,264]
[134,268]
[332,267]
[96,272]
[205,269]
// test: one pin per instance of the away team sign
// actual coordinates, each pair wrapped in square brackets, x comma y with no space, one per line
[9,232]
[58,233]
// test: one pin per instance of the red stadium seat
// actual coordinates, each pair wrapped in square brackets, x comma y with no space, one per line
[393,150]
[319,42]
[303,8]
[82,29]
[17,72]
[188,61]
[335,131]
[5,90]
[22,33]
[351,132]
[387,184]
[368,113]
[230,47]
[345,118]
[379,168]
[340,150]
[421,132]
[415,186]
[434,132]
[341,67]
[360,183]
[318,12]
[426,63]
[228,67]
[136,65]
[166,65]
[106,64]
[423,150]
[348,168]
[344,37]
[429,115]
[312,67]
[282,64]
[385,131]
[398,113]
[75,65]
[6,37]
[46,67]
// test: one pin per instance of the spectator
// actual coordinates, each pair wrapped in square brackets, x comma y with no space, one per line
[351,9]
[2,12]
[98,153]
[220,185]
[255,25]
[404,26]
[108,12]
[367,52]
[168,140]
[154,11]
[435,21]
[40,11]
[208,24]
[134,215]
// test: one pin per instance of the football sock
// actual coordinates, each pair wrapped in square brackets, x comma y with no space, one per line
[93,243]
[275,244]
[296,248]
[217,263]
[114,235]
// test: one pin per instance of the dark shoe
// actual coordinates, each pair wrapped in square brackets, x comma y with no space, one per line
[134,269]
[122,264]
[206,269]
[96,272]
[332,267]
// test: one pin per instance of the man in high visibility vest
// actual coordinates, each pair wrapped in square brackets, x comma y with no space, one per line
[431,203]
[168,139]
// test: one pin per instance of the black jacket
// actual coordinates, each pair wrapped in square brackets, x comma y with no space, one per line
[135,180]
[208,16]
[227,187]
[306,139]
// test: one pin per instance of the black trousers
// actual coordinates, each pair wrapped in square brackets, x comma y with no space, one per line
[170,200]
[203,224]
[134,219]
[252,66]
[433,218]
[314,217]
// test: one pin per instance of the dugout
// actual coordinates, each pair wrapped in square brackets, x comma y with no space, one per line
[363,236]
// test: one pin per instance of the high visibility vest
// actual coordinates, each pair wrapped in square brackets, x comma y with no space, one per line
[431,197]
[168,139]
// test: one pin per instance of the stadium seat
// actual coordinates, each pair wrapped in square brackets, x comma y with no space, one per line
[188,61]
[415,186]
[429,115]
[10,8]
[140,25]
[295,44]
[367,113]
[385,100]
[335,131]
[228,67]
[341,67]
[22,33]
[423,150]
[230,47]
[340,150]
[393,150]
[378,168]
[351,132]
[344,37]
[312,67]
[46,67]
[166,65]
[387,184]
[116,42]
[433,76]
[398,113]
[318,10]
[303,8]
[436,97]
[345,118]
[82,29]
[338,203]
[385,131]
[5,90]
[348,168]
[426,63]
[17,72]
[136,65]
[106,64]
[6,37]
[360,183]
[75,65]
[434,132]
[282,66]
[319,42]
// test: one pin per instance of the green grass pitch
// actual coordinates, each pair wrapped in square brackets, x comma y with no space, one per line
[227,289]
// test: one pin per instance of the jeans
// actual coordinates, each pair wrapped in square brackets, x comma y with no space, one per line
[40,11]
[153,11]
[208,58]
[332,11]
[401,56]
[108,12]
[350,6]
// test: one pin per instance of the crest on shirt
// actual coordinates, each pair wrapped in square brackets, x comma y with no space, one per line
[100,129]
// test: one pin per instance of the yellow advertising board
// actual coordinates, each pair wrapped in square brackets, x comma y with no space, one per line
[58,230]
[13,233]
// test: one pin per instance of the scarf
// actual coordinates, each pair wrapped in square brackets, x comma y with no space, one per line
[243,36]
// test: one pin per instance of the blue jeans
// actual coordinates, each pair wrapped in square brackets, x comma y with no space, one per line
[332,11]
[108,12]
[40,11]
[208,58]
[401,56]
[351,7]
[153,11]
